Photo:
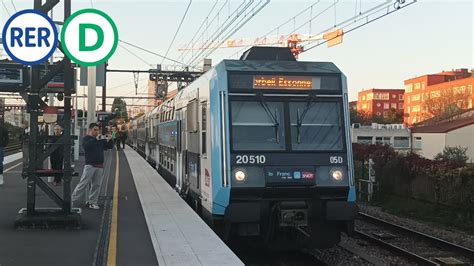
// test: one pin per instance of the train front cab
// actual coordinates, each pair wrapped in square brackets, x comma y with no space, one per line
[289,152]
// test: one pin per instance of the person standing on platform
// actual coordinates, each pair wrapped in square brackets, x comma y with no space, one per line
[94,146]
[57,157]
[115,137]
[123,136]
[3,144]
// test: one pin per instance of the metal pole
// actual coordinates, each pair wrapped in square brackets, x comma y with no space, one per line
[50,103]
[104,98]
[76,133]
[68,86]
[91,94]
[34,106]
[104,88]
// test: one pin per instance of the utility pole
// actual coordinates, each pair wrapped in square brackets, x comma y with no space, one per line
[104,98]
[104,88]
[91,94]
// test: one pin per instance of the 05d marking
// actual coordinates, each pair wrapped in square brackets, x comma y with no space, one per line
[336,159]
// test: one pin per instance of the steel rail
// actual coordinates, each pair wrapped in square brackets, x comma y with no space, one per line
[467,252]
[410,255]
[437,242]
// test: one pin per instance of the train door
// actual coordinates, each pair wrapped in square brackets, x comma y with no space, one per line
[193,167]
[180,148]
[205,160]
[146,151]
[156,144]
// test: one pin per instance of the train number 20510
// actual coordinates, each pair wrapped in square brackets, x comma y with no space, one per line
[250,159]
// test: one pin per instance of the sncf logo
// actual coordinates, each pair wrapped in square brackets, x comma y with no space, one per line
[89,37]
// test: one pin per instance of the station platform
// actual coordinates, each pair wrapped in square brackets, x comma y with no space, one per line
[142,221]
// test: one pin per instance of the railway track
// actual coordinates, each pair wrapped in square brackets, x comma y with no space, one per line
[415,246]
[13,147]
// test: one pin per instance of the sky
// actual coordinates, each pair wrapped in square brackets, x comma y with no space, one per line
[427,37]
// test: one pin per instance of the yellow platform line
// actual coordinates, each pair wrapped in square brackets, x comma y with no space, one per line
[112,252]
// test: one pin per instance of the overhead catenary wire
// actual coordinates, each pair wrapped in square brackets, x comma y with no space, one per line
[127,83]
[280,26]
[230,28]
[228,21]
[198,30]
[177,30]
[216,16]
[315,16]
[344,24]
[238,26]
[5,7]
[151,52]
[14,7]
[134,54]
[367,21]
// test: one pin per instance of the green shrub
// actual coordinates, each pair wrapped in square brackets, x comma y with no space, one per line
[456,154]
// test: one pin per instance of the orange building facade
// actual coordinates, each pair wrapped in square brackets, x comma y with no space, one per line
[380,101]
[429,95]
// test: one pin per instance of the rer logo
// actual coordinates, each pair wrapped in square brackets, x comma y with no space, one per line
[89,37]
[29,37]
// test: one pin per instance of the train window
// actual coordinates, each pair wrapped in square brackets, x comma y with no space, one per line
[317,126]
[204,115]
[203,141]
[203,128]
[258,126]
[192,116]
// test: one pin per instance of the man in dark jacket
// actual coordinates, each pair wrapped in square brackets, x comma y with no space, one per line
[57,157]
[3,144]
[94,146]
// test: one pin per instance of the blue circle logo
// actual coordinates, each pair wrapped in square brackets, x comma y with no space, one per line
[30,37]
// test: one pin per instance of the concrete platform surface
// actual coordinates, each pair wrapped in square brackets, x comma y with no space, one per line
[178,234]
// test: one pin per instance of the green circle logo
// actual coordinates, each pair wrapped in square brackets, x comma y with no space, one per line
[89,37]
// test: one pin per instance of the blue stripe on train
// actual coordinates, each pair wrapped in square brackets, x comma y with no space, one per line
[352,194]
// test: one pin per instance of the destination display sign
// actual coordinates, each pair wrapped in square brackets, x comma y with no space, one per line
[282,82]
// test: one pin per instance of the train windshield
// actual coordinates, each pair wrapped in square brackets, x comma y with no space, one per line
[258,125]
[316,126]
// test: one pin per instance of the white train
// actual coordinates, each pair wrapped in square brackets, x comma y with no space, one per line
[259,147]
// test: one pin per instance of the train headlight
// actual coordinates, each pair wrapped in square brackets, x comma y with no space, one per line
[240,176]
[336,174]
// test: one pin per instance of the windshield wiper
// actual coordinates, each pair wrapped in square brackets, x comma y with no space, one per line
[274,118]
[299,120]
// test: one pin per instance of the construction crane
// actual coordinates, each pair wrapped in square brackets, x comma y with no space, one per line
[293,41]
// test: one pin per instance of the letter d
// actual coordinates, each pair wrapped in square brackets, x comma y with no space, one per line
[82,37]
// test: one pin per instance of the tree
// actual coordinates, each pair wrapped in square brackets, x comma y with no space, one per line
[456,154]
[365,118]
[119,108]
[445,103]
[360,117]
[394,117]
